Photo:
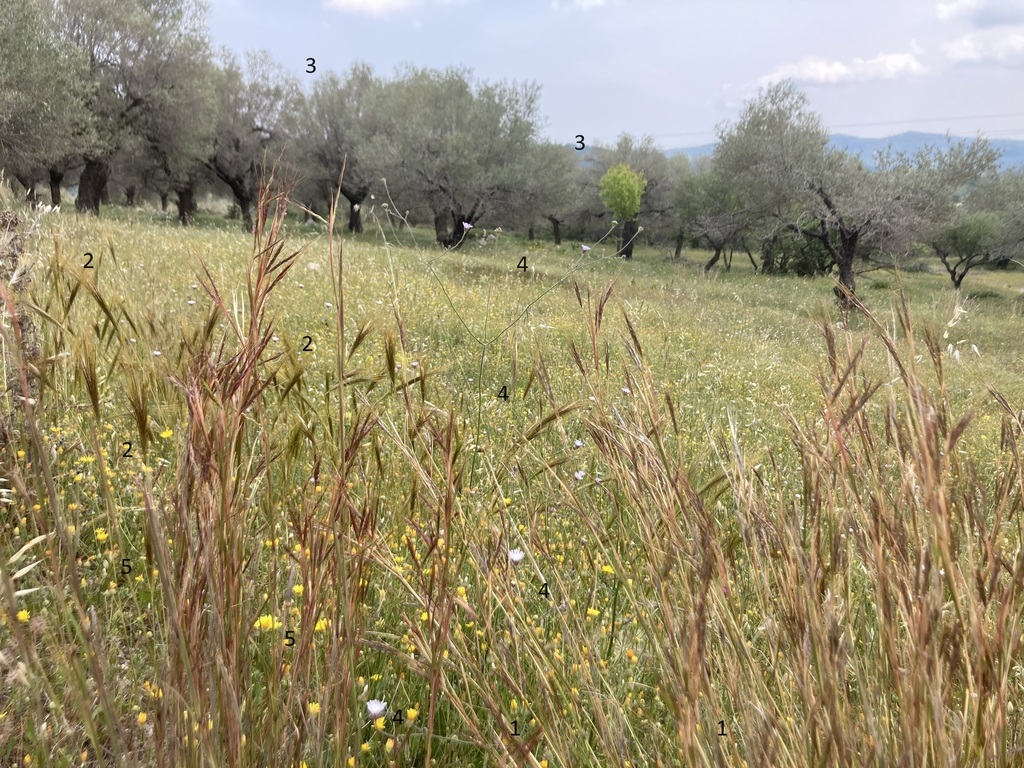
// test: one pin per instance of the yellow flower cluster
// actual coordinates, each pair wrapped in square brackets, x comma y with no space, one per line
[267,623]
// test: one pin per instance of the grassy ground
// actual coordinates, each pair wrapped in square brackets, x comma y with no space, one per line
[735,514]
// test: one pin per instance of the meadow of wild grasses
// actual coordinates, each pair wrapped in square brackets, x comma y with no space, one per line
[263,506]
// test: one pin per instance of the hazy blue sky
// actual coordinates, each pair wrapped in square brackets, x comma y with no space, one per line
[675,70]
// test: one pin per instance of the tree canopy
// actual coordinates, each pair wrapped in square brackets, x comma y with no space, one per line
[128,94]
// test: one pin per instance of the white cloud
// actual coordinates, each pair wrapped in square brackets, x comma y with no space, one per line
[584,4]
[989,46]
[813,69]
[372,7]
[955,8]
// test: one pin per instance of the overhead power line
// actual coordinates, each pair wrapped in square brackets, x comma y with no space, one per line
[929,120]
[875,124]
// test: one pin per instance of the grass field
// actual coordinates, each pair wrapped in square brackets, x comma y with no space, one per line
[710,525]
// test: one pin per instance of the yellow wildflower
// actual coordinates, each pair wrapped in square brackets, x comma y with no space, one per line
[267,622]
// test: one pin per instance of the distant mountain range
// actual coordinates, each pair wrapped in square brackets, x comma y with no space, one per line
[910,142]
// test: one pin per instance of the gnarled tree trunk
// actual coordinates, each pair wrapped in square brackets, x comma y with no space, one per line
[56,176]
[680,239]
[441,226]
[243,199]
[626,240]
[186,203]
[355,197]
[242,184]
[245,206]
[844,260]
[91,185]
[556,226]
[714,259]
[459,231]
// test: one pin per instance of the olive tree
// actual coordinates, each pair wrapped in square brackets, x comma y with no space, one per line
[986,228]
[965,243]
[459,146]
[334,125]
[44,122]
[711,209]
[144,56]
[778,154]
[547,189]
[255,104]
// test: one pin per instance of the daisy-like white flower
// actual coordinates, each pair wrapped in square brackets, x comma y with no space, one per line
[577,443]
[585,248]
[516,556]
[579,474]
[376,708]
[466,226]
[626,391]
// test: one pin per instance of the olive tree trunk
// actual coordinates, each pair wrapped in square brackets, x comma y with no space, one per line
[627,238]
[56,176]
[92,184]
